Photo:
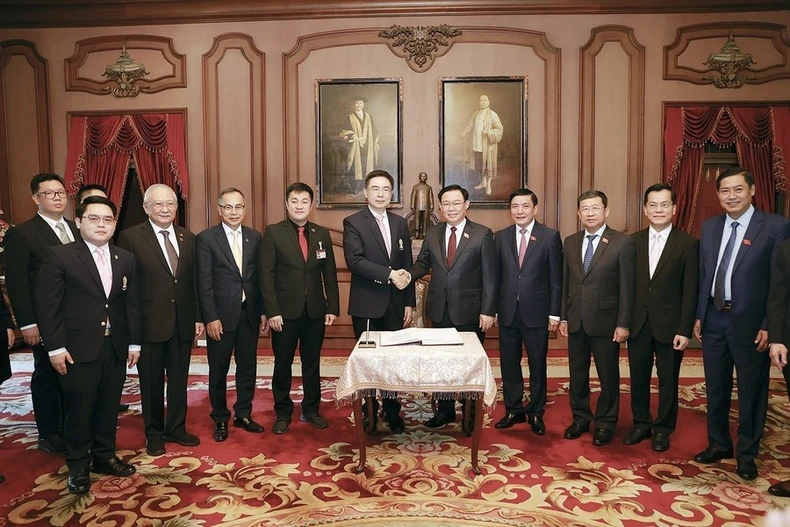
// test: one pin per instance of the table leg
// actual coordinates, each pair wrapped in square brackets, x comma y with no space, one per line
[361,437]
[476,433]
[372,417]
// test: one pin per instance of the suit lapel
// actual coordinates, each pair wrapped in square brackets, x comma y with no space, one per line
[90,264]
[535,238]
[373,225]
[755,226]
[47,232]
[291,233]
[150,237]
[469,231]
[713,252]
[117,271]
[440,236]
[669,247]
[224,244]
[512,245]
[603,243]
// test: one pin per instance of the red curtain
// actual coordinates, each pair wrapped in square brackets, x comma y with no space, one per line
[753,130]
[100,148]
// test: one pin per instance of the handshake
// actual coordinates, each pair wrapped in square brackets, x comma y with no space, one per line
[400,278]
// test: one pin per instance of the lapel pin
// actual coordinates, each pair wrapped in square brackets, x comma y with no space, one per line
[466,235]
[747,242]
[605,240]
[123,288]
[312,229]
[533,239]
[116,256]
[320,246]
[246,240]
[400,243]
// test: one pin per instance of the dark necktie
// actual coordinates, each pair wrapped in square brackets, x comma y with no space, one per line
[451,245]
[172,255]
[588,254]
[522,249]
[303,242]
[721,272]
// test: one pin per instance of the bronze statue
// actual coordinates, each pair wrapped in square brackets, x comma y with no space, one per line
[421,206]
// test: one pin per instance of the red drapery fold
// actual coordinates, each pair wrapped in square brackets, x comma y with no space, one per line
[100,148]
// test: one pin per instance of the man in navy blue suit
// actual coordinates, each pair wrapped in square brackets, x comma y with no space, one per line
[737,250]
[530,289]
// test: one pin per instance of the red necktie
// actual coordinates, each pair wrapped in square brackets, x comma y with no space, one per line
[451,247]
[303,242]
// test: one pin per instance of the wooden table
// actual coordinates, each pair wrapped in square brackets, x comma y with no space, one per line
[412,369]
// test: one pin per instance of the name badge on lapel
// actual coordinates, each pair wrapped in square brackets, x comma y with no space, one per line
[400,244]
[320,254]
[124,282]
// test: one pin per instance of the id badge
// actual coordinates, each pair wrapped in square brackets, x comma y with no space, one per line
[320,254]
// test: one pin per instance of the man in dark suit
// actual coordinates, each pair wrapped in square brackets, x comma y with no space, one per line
[530,287]
[230,296]
[27,242]
[88,302]
[166,265]
[300,298]
[667,267]
[596,310]
[778,320]
[737,250]
[460,255]
[377,245]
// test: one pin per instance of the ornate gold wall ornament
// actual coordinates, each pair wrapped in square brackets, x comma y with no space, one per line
[420,45]
[124,71]
[729,61]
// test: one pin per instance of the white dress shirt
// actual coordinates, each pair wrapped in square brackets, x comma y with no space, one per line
[662,242]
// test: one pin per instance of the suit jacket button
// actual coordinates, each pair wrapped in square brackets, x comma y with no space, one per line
[104,323]
[106,306]
[173,300]
[649,289]
[175,281]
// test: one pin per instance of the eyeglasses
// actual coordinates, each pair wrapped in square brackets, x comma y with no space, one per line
[453,205]
[159,205]
[230,208]
[93,219]
[50,194]
[664,205]
[595,209]
[376,190]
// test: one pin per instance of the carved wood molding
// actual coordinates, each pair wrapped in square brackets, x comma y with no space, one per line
[26,49]
[716,34]
[636,109]
[537,41]
[60,13]
[211,129]
[83,48]
[420,45]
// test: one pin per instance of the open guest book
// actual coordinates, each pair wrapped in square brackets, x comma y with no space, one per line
[424,336]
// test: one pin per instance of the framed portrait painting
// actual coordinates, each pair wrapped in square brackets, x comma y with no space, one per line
[483,136]
[358,129]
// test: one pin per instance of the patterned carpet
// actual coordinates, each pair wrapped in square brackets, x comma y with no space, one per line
[419,478]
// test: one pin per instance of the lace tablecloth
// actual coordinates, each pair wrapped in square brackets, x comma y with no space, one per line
[413,369]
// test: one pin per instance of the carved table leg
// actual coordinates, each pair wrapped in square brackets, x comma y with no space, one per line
[476,433]
[466,424]
[372,417]
[361,437]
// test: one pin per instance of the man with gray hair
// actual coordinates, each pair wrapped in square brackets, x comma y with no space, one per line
[172,318]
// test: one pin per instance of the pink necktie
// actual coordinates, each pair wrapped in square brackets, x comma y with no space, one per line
[105,273]
[383,229]
[522,249]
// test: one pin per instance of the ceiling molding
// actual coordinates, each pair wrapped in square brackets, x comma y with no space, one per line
[91,13]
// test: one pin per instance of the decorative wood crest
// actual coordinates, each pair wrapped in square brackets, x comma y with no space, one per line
[420,45]
[728,73]
[83,48]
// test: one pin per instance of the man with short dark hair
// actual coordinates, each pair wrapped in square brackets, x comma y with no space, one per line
[300,298]
[667,262]
[91,189]
[27,242]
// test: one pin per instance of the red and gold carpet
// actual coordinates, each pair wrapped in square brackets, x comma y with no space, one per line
[419,478]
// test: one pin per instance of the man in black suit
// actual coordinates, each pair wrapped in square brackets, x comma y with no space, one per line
[300,298]
[230,296]
[737,251]
[377,245]
[166,265]
[667,267]
[778,320]
[26,242]
[88,304]
[596,310]
[461,257]
[530,287]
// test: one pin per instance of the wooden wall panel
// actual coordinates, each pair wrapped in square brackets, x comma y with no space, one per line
[222,89]
[24,120]
[592,173]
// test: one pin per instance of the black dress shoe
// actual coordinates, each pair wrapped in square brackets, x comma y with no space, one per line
[395,422]
[122,407]
[220,432]
[248,424]
[575,431]
[155,447]
[537,424]
[53,444]
[113,467]
[280,425]
[712,455]
[79,481]
[316,420]
[747,469]
[636,435]
[660,442]
[509,420]
[440,419]
[184,439]
[602,436]
[781,489]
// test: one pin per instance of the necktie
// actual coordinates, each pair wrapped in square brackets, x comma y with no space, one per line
[64,237]
[522,247]
[588,254]
[105,273]
[172,255]
[654,253]
[235,248]
[383,229]
[451,246]
[721,272]
[303,242]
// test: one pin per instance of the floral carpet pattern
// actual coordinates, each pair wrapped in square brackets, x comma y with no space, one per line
[421,477]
